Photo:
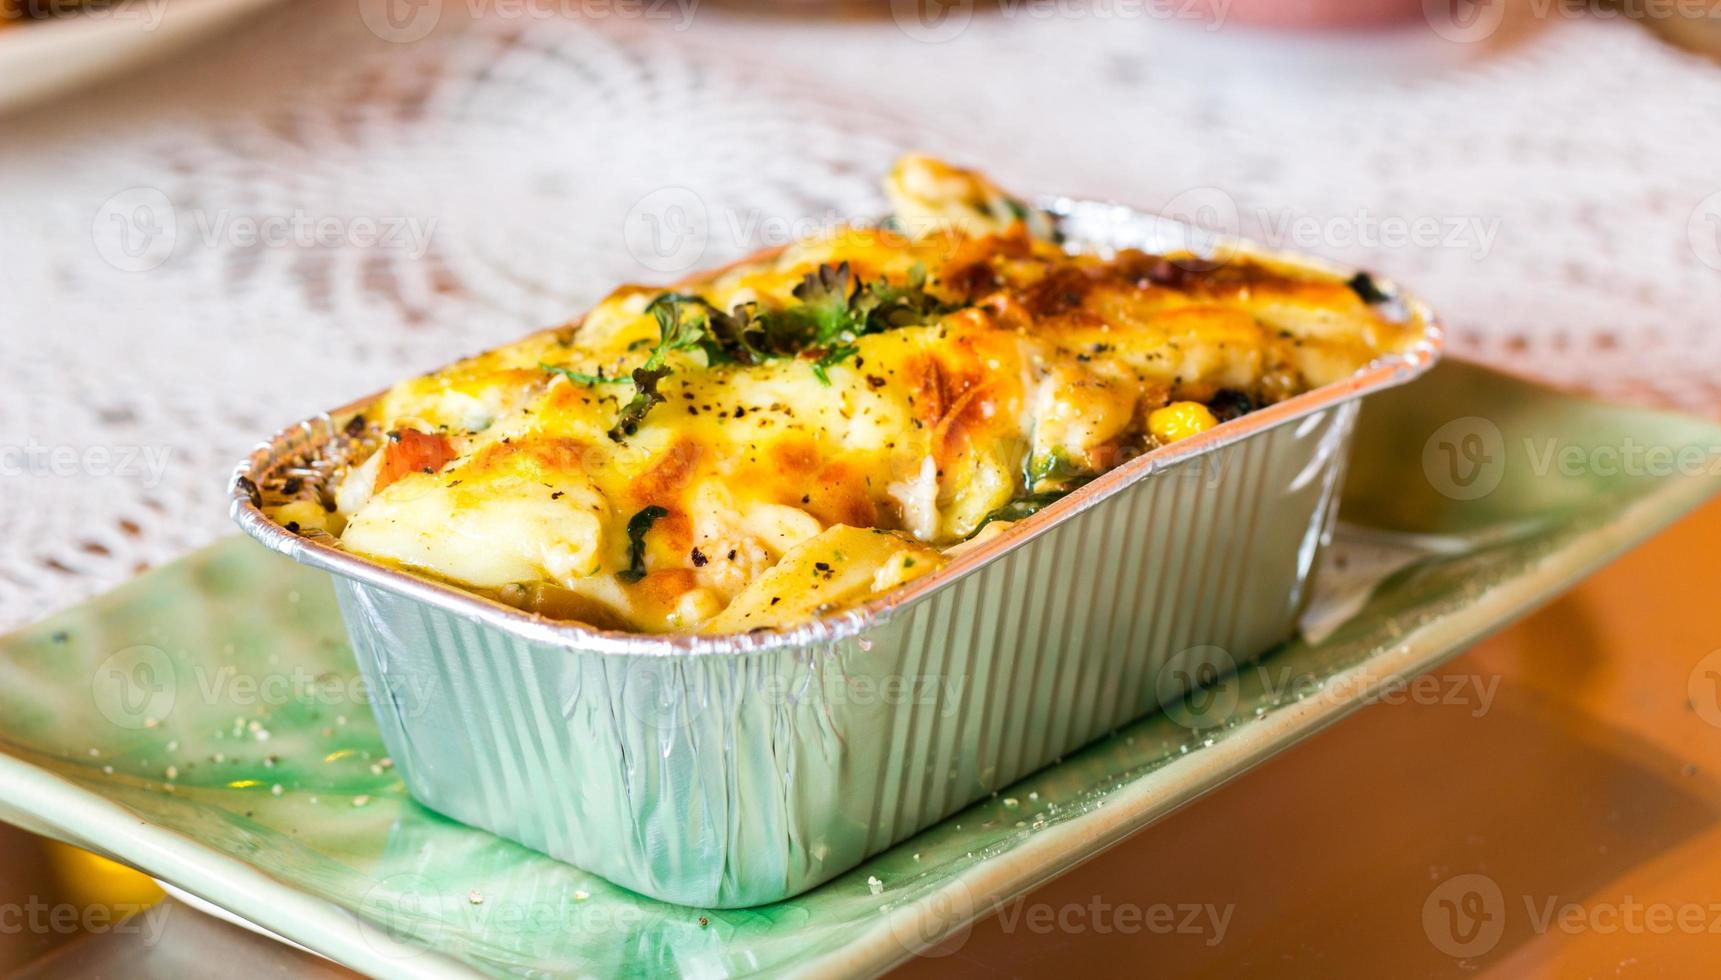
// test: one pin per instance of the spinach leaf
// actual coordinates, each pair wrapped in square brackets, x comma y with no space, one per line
[637,527]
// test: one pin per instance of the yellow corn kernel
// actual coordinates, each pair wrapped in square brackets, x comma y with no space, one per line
[1180,420]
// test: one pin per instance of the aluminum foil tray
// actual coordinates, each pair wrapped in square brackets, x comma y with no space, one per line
[727,771]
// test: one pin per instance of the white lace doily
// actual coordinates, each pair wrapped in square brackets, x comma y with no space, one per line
[304,211]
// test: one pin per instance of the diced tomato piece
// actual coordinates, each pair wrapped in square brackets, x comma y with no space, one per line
[412,451]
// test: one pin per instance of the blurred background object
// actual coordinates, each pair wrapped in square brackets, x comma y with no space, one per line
[54,46]
[52,893]
[90,879]
[1692,24]
[1319,13]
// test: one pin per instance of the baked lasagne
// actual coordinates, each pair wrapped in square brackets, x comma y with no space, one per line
[817,425]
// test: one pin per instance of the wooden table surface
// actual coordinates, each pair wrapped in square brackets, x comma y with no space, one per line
[1551,805]
[1571,765]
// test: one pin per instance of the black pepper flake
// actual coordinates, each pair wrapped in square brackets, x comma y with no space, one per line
[293,526]
[557,495]
[698,557]
[806,498]
[1230,403]
[776,599]
[874,382]
[1367,289]
[731,554]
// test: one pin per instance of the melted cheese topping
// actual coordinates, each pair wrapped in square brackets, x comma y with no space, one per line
[777,496]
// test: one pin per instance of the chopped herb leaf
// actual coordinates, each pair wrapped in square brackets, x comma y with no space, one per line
[830,358]
[582,379]
[1021,507]
[832,310]
[637,527]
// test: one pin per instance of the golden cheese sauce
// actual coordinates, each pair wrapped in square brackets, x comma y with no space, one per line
[819,425]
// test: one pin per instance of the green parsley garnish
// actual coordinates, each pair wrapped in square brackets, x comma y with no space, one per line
[582,379]
[831,312]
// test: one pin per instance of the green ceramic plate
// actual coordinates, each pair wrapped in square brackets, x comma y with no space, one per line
[205,724]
